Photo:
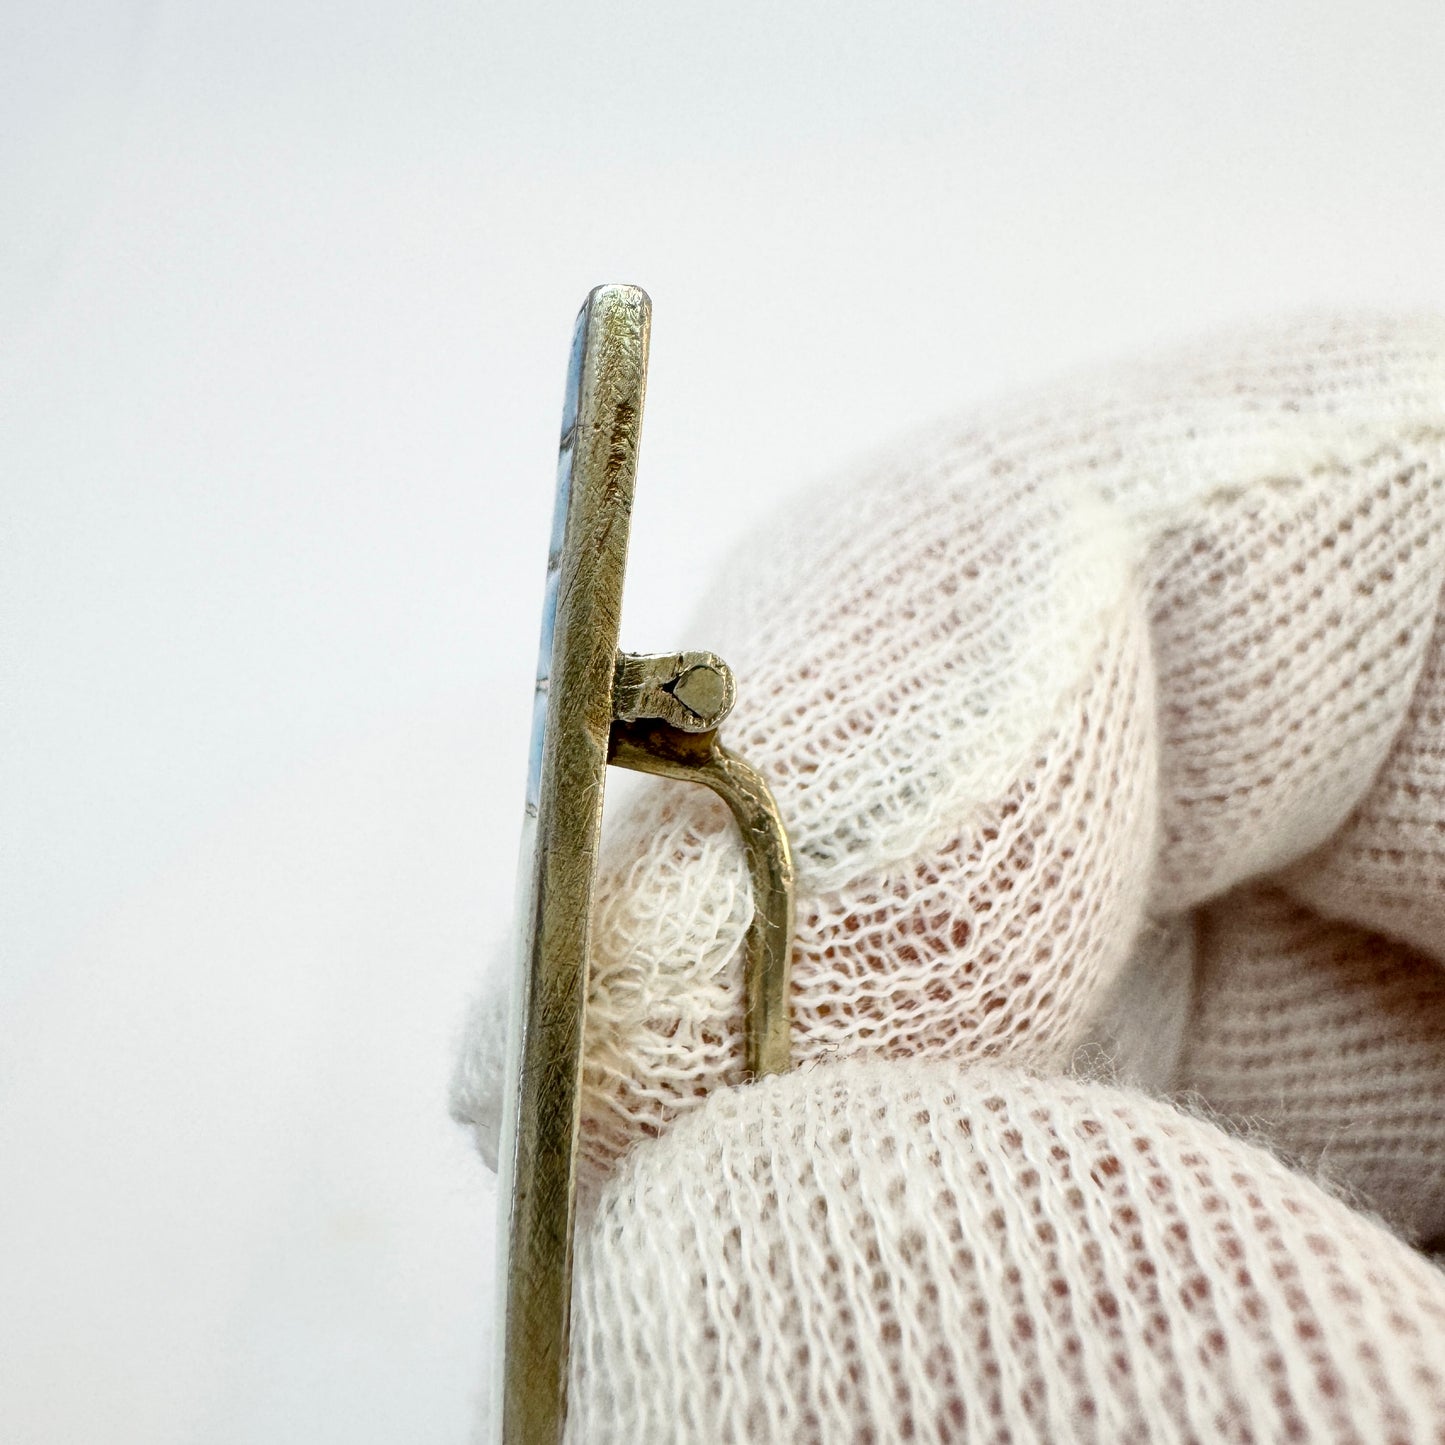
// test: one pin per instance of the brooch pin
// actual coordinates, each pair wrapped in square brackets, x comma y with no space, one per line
[594,706]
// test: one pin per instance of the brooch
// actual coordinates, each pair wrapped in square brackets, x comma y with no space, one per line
[657,713]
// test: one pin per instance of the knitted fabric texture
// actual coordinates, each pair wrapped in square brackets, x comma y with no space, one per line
[1332,1042]
[928,1252]
[1046,697]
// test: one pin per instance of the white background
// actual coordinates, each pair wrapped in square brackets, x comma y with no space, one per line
[285,296]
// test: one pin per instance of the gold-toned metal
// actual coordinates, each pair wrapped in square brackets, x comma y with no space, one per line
[693,691]
[767,949]
[602,418]
[594,705]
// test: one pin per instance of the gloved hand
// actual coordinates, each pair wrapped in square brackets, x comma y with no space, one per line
[1110,735]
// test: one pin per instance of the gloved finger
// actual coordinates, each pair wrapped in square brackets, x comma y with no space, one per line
[1130,644]
[1292,622]
[1384,869]
[926,1252]
[1301,656]
[1331,1042]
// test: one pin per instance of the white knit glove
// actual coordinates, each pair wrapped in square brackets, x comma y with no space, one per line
[1110,735]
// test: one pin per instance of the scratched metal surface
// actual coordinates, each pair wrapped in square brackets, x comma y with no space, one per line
[597,464]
